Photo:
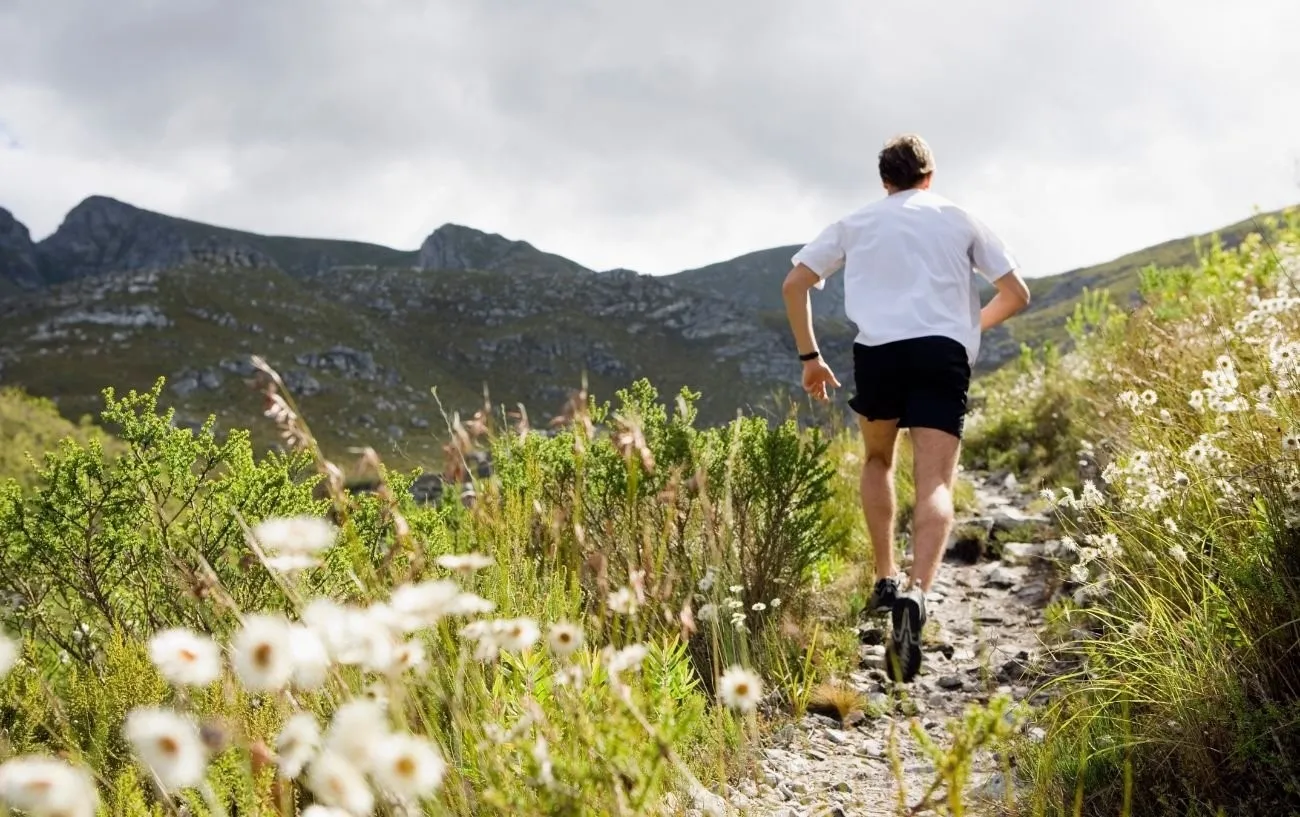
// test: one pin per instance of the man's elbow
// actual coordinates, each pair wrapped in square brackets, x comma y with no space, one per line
[797,282]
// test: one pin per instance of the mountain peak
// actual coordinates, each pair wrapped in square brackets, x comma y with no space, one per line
[459,247]
[18,260]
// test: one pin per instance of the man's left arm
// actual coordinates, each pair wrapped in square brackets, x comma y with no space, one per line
[812,265]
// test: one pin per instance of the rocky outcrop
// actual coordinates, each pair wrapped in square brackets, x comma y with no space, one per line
[19,265]
[456,247]
[102,235]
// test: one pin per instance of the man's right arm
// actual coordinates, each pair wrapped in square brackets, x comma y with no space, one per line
[998,265]
[1012,297]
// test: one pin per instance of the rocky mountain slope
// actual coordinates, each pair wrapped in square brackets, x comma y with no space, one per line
[364,334]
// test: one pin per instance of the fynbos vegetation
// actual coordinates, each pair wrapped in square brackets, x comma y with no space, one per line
[1168,444]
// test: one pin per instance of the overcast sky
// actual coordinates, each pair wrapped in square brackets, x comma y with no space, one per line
[659,134]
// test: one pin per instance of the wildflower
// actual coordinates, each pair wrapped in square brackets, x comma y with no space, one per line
[292,543]
[564,639]
[406,656]
[740,688]
[45,786]
[708,612]
[185,658]
[519,634]
[542,757]
[423,604]
[1108,544]
[776,602]
[706,583]
[336,782]
[1090,496]
[1177,553]
[8,654]
[263,652]
[1291,442]
[758,607]
[168,744]
[1048,496]
[627,659]
[1079,573]
[1171,525]
[1149,397]
[310,657]
[1196,400]
[464,562]
[1181,479]
[298,742]
[736,588]
[1165,416]
[408,766]
[1088,554]
[356,728]
[622,601]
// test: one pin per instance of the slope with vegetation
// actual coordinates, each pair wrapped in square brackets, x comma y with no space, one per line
[1168,443]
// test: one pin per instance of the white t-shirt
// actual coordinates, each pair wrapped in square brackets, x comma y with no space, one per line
[909,261]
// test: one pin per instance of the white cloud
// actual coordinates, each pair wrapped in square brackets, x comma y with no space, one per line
[655,136]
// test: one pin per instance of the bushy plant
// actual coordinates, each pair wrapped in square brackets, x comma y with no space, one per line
[1182,554]
[195,628]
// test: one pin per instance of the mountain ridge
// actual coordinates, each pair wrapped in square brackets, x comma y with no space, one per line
[364,334]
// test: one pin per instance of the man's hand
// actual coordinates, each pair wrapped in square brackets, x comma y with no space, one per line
[817,376]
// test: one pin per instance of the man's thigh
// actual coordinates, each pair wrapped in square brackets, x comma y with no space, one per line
[934,458]
[880,440]
[937,387]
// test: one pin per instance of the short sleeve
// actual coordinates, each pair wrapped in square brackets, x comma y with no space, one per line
[989,254]
[823,255]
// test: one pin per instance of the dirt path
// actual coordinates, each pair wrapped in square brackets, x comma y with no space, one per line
[986,642]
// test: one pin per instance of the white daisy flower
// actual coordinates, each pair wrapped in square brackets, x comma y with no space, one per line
[564,638]
[311,659]
[464,562]
[263,652]
[168,744]
[517,635]
[44,786]
[740,688]
[336,782]
[1177,553]
[297,744]
[356,728]
[423,604]
[1079,573]
[293,543]
[185,658]
[623,601]
[408,766]
[627,659]
[758,607]
[8,654]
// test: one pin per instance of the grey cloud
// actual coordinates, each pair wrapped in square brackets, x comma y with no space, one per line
[633,108]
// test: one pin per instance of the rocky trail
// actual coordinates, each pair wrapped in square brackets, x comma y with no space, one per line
[982,639]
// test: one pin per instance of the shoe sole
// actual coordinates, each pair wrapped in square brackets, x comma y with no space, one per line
[905,640]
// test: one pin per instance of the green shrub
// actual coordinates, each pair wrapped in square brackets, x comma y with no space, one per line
[1183,546]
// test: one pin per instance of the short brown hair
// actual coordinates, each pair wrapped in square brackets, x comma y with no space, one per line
[905,160]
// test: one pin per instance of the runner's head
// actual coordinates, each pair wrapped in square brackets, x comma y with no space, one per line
[906,162]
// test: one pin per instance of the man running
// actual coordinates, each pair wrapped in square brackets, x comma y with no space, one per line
[909,288]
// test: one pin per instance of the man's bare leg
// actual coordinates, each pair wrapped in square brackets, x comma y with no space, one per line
[880,440]
[935,462]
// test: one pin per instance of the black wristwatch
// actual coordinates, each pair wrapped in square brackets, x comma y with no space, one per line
[813,355]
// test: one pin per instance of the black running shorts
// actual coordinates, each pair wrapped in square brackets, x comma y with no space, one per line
[921,382]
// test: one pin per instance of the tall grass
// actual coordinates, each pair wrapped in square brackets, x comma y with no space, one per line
[1168,445]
